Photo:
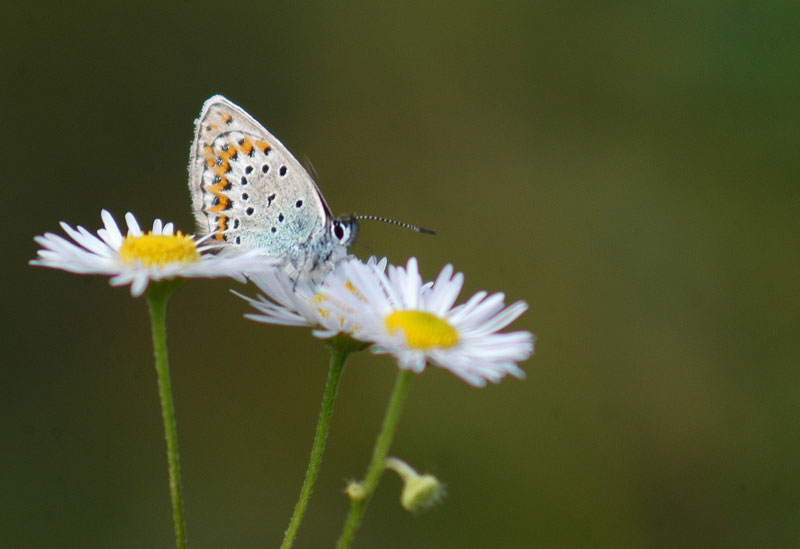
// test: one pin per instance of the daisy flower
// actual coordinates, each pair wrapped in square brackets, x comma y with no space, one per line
[288,302]
[138,257]
[417,323]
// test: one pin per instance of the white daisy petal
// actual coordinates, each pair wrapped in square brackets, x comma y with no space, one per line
[273,313]
[323,334]
[85,239]
[112,229]
[289,302]
[445,290]
[138,258]
[501,319]
[139,285]
[464,310]
[133,224]
[55,249]
[122,279]
[484,310]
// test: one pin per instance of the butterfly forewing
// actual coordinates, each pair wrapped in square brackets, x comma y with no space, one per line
[247,188]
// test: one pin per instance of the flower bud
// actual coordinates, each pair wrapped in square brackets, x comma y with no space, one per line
[419,491]
[355,491]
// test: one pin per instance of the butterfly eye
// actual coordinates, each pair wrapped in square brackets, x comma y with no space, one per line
[344,231]
[338,230]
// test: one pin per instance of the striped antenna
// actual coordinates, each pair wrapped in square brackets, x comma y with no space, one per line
[395,222]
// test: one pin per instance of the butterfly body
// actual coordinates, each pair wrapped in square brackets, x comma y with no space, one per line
[249,192]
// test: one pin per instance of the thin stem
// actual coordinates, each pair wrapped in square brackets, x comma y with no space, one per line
[379,453]
[339,354]
[157,297]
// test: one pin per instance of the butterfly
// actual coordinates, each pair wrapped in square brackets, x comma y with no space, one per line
[248,191]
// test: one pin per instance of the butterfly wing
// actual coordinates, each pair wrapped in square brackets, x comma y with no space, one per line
[247,188]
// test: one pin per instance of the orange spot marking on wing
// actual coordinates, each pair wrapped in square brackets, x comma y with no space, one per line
[246,147]
[222,226]
[227,155]
[210,157]
[222,169]
[231,152]
[221,205]
[222,185]
[263,145]
[226,118]
[218,188]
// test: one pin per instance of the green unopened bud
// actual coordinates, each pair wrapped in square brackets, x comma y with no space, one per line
[355,491]
[419,491]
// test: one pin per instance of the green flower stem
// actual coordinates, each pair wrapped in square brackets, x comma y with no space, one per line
[340,347]
[379,453]
[157,296]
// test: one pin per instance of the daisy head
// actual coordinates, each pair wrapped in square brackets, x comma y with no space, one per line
[139,257]
[418,323]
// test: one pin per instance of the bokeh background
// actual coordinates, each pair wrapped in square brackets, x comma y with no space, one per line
[629,169]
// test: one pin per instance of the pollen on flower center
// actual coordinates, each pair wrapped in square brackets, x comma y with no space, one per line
[159,250]
[423,330]
[316,300]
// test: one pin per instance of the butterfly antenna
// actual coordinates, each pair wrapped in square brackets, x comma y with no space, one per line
[416,228]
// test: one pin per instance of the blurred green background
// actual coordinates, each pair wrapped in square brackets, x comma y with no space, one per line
[630,170]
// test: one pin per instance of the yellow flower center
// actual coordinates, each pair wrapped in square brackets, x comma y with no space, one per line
[423,330]
[319,298]
[159,250]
